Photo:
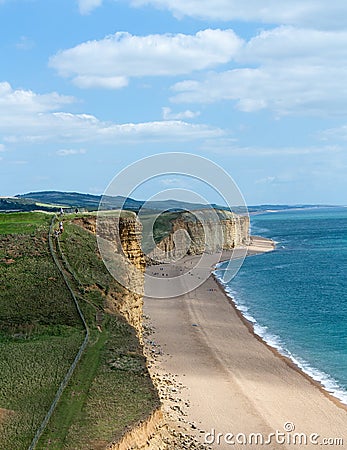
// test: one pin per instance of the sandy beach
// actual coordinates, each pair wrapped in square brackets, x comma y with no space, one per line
[220,379]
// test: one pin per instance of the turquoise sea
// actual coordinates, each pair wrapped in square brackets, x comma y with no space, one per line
[296,296]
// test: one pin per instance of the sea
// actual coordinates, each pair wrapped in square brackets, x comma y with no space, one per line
[296,296]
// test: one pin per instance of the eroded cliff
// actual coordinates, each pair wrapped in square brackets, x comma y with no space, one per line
[119,241]
[204,231]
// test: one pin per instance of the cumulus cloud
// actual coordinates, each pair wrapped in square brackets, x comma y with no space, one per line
[284,90]
[27,116]
[111,61]
[317,13]
[188,114]
[92,81]
[26,101]
[286,70]
[87,6]
[287,44]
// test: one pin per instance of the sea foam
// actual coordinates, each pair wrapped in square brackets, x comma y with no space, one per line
[328,383]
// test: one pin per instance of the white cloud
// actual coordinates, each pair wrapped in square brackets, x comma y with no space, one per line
[70,151]
[317,13]
[30,117]
[87,6]
[2,148]
[287,44]
[26,101]
[169,115]
[283,90]
[111,61]
[88,81]
[289,71]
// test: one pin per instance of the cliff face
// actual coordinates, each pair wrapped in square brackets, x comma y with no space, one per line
[235,231]
[148,435]
[205,231]
[119,240]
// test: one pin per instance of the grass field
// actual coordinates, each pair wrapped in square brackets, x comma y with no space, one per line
[23,223]
[31,372]
[40,334]
[40,331]
[109,391]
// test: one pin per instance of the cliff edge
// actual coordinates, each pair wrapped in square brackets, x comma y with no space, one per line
[204,231]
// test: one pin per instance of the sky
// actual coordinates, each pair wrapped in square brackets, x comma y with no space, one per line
[259,87]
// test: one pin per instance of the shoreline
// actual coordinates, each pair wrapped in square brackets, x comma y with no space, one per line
[250,326]
[270,245]
[246,386]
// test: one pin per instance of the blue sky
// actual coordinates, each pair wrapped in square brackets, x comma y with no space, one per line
[259,87]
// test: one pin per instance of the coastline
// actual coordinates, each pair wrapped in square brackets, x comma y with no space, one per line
[247,386]
[250,326]
[267,245]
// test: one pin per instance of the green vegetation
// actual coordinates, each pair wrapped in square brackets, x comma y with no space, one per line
[23,204]
[81,249]
[31,371]
[109,391]
[92,202]
[161,227]
[23,223]
[41,332]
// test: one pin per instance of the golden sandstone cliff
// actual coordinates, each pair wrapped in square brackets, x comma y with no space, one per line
[119,240]
[202,231]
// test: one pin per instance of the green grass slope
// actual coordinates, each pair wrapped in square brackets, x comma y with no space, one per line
[41,332]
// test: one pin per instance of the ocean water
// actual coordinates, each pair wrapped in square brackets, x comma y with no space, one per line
[296,296]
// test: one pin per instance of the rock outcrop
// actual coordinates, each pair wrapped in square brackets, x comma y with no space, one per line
[157,432]
[119,241]
[148,435]
[202,231]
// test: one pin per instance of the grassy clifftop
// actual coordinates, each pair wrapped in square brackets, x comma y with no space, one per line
[41,332]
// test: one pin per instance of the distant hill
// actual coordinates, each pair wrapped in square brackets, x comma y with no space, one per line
[54,200]
[91,202]
[13,204]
